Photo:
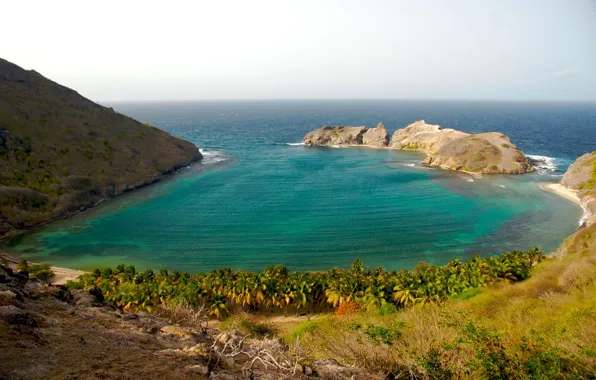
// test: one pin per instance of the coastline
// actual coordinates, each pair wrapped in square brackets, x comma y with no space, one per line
[168,174]
[562,191]
[571,195]
[61,275]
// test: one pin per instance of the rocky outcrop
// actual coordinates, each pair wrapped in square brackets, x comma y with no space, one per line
[581,179]
[335,136]
[376,137]
[423,137]
[483,153]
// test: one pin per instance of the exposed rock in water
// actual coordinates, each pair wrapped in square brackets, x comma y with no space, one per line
[581,178]
[335,136]
[61,153]
[376,137]
[424,137]
[483,153]
[486,153]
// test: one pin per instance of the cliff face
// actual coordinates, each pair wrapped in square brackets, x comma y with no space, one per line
[376,137]
[581,177]
[60,152]
[483,153]
[335,135]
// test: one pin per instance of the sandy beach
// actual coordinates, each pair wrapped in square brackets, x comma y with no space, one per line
[61,275]
[562,191]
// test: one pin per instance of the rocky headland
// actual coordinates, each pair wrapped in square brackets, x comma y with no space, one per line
[61,153]
[579,183]
[483,153]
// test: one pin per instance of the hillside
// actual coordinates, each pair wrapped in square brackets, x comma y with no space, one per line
[61,153]
[581,178]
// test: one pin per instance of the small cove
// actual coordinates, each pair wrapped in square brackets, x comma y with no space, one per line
[260,199]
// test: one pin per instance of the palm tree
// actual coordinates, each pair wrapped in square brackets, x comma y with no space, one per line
[218,306]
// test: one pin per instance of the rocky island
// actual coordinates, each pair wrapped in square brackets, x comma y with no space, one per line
[61,153]
[482,153]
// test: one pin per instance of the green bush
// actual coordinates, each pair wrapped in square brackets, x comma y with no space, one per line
[42,272]
[387,309]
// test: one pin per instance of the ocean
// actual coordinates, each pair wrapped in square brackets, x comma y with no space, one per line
[260,197]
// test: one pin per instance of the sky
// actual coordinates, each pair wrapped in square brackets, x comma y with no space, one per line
[371,49]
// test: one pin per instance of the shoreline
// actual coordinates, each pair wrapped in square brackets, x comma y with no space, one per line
[562,191]
[61,275]
[571,195]
[167,175]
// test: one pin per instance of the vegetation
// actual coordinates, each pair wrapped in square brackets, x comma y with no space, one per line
[42,272]
[276,288]
[542,328]
[60,152]
[482,318]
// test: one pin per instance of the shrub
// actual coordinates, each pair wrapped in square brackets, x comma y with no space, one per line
[42,272]
[478,157]
[304,328]
[23,265]
[257,328]
[387,309]
[346,309]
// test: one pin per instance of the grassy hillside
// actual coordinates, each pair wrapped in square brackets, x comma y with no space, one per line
[60,152]
[542,328]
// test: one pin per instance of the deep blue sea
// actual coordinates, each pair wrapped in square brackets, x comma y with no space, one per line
[260,198]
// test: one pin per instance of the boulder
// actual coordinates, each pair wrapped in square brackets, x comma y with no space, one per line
[91,298]
[8,297]
[15,316]
[376,137]
[178,332]
[330,369]
[197,369]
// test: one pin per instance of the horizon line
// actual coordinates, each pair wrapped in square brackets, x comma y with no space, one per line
[350,99]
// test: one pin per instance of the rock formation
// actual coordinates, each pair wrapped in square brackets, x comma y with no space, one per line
[376,137]
[483,153]
[486,153]
[61,153]
[581,178]
[335,135]
[423,137]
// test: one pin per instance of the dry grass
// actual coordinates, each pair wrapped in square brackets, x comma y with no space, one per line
[184,314]
[544,327]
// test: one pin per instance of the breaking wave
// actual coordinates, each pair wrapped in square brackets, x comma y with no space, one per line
[543,164]
[212,156]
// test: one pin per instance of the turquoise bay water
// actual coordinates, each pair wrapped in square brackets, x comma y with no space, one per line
[257,200]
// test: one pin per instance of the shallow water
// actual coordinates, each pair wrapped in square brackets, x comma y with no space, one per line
[261,198]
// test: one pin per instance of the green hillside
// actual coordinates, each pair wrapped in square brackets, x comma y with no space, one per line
[60,152]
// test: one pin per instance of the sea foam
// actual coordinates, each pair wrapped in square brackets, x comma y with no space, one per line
[212,156]
[295,144]
[543,163]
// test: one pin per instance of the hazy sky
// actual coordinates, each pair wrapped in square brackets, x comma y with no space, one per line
[216,49]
